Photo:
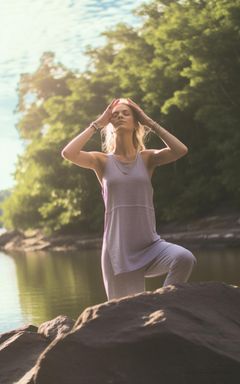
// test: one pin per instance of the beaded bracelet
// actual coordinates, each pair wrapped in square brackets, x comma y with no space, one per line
[95,126]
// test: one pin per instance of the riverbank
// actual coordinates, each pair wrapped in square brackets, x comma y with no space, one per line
[216,231]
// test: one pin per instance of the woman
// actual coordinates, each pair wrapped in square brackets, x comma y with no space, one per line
[131,249]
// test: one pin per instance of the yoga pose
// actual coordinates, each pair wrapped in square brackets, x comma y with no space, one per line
[131,248]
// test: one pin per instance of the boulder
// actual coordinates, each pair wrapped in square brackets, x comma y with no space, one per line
[183,333]
[18,354]
[20,348]
[7,335]
[56,327]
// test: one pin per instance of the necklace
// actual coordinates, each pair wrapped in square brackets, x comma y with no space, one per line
[123,166]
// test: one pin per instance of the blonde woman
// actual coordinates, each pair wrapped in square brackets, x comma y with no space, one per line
[131,249]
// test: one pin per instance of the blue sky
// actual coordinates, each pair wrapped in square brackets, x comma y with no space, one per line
[27,29]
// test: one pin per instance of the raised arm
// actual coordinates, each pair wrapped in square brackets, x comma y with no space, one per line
[73,150]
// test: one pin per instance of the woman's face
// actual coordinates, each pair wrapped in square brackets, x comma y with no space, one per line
[122,117]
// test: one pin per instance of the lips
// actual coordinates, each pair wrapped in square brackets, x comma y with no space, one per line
[120,122]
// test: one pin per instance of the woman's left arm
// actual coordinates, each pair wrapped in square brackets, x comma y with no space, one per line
[175,148]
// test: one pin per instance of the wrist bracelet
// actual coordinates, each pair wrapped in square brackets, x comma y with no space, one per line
[95,126]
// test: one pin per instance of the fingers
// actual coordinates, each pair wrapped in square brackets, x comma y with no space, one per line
[132,102]
[111,104]
[134,105]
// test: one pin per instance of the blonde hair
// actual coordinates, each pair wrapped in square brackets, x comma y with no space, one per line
[140,134]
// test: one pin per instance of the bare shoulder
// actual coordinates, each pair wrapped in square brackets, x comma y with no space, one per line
[147,155]
[157,157]
[100,157]
[147,158]
[87,159]
[99,164]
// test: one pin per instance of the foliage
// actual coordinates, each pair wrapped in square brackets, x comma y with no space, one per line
[4,193]
[181,65]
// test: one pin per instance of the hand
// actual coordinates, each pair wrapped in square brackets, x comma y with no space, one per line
[105,117]
[143,118]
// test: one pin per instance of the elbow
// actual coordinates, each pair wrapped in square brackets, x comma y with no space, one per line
[183,152]
[64,154]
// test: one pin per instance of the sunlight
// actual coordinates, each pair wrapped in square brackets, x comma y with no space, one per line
[27,26]
[167,288]
[154,318]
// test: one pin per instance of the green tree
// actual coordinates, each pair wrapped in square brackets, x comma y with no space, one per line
[181,65]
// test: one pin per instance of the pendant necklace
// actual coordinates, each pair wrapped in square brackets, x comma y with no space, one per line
[121,164]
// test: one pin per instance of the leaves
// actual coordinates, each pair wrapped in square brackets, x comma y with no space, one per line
[181,66]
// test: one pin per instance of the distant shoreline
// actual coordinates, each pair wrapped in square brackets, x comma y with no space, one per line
[217,231]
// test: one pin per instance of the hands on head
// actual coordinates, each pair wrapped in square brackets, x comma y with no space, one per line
[105,118]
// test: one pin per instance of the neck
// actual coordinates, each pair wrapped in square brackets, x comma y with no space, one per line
[124,146]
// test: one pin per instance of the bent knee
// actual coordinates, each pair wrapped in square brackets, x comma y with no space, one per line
[187,257]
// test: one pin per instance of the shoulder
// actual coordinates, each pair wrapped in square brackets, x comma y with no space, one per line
[147,155]
[100,158]
[99,155]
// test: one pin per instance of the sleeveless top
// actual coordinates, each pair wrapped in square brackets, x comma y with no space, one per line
[130,237]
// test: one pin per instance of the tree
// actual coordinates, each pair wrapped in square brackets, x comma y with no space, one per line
[181,65]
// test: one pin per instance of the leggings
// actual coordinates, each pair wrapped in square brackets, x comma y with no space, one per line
[174,260]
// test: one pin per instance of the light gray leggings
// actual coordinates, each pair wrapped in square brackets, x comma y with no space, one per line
[174,259]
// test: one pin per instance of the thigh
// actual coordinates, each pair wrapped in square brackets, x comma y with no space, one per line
[123,284]
[167,256]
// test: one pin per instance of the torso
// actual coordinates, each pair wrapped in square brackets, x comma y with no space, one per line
[102,159]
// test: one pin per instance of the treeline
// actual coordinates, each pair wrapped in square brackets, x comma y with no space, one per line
[4,193]
[182,67]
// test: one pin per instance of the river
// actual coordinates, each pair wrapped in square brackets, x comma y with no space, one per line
[40,285]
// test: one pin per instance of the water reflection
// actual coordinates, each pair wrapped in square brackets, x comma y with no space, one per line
[10,309]
[53,283]
[38,286]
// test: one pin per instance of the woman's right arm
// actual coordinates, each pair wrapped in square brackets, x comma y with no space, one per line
[73,150]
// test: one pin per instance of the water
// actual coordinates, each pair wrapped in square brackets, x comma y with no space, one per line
[38,286]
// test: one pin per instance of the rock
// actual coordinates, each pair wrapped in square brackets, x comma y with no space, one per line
[185,333]
[56,327]
[9,236]
[34,242]
[7,335]
[18,354]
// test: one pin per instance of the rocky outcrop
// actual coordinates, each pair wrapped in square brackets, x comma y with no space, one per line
[8,236]
[54,328]
[20,241]
[185,333]
[20,348]
[26,328]
[18,354]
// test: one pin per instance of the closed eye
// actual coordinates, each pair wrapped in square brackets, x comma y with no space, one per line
[125,112]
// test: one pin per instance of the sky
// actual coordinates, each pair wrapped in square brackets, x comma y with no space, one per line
[30,27]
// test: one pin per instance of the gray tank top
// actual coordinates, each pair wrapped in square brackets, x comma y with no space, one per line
[130,236]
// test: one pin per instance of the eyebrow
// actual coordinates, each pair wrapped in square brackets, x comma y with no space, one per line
[121,110]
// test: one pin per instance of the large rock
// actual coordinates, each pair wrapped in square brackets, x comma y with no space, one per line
[20,348]
[182,334]
[18,354]
[26,328]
